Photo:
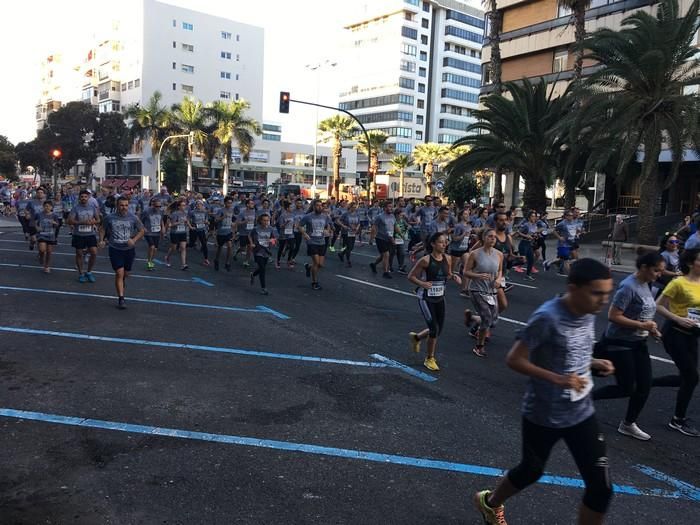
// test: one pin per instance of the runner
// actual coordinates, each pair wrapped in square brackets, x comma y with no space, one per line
[34,207]
[246,223]
[459,247]
[319,225]
[58,210]
[350,223]
[555,351]
[46,223]
[84,219]
[21,207]
[565,232]
[224,233]
[383,230]
[285,227]
[298,212]
[154,226]
[680,305]
[122,231]
[430,274]
[199,221]
[177,224]
[630,323]
[262,238]
[529,232]
[400,240]
[484,269]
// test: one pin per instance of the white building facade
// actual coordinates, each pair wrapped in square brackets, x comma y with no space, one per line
[417,72]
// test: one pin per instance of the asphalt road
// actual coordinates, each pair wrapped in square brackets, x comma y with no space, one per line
[207,402]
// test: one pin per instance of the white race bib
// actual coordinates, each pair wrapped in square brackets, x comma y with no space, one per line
[199,226]
[398,241]
[289,230]
[350,233]
[180,228]
[436,290]
[317,232]
[155,228]
[578,395]
[263,242]
[694,315]
[464,245]
[85,228]
[249,225]
[490,299]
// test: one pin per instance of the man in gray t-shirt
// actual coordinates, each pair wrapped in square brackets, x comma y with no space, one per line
[555,350]
[383,230]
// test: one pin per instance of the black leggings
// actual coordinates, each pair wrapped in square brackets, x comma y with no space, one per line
[586,444]
[633,375]
[682,346]
[434,314]
[294,250]
[281,245]
[348,246]
[525,249]
[336,231]
[400,256]
[201,236]
[260,271]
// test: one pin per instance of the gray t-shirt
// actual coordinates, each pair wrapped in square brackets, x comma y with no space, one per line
[224,223]
[199,219]
[562,343]
[246,221]
[462,244]
[693,242]
[120,228]
[636,302]
[385,222]
[178,222]
[46,225]
[315,225]
[261,240]
[81,213]
[672,260]
[351,220]
[152,221]
[427,215]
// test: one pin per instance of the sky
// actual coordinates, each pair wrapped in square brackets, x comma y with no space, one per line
[297,34]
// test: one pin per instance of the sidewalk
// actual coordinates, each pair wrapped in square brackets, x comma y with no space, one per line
[595,250]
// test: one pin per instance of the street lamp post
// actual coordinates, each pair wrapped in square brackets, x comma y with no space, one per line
[189,136]
[317,68]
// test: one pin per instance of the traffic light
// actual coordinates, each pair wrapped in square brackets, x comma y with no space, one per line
[56,154]
[284,101]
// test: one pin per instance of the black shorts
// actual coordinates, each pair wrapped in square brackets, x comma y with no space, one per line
[177,238]
[83,242]
[223,239]
[153,240]
[45,241]
[243,239]
[31,230]
[122,258]
[316,249]
[384,246]
[458,253]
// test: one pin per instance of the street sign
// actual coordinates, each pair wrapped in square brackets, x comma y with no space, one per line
[440,185]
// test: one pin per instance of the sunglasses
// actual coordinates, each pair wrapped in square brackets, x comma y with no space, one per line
[673,242]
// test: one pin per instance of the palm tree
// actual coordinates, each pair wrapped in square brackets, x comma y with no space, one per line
[637,100]
[232,124]
[189,117]
[338,129]
[150,123]
[428,155]
[377,145]
[495,70]
[399,164]
[518,132]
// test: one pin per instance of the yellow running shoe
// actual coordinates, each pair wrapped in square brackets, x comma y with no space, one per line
[414,342]
[431,364]
[491,516]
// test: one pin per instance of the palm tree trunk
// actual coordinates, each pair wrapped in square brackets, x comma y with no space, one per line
[495,38]
[498,185]
[535,194]
[401,175]
[337,155]
[372,174]
[428,179]
[580,36]
[224,182]
[648,193]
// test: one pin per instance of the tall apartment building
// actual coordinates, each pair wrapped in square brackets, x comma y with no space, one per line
[537,39]
[59,82]
[416,71]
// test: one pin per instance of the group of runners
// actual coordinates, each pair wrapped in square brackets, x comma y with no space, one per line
[474,249]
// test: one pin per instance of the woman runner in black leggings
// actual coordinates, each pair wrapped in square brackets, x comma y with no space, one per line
[262,238]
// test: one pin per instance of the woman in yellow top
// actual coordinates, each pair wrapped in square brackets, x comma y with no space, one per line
[680,305]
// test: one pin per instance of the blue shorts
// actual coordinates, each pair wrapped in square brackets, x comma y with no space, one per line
[122,258]
[564,252]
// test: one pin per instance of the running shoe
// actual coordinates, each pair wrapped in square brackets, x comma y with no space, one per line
[535,270]
[414,342]
[561,274]
[348,264]
[31,245]
[546,265]
[216,265]
[519,269]
[90,277]
[121,304]
[316,286]
[431,364]
[307,269]
[387,275]
[373,267]
[331,249]
[508,287]
[684,427]
[46,270]
[206,262]
[491,516]
[246,264]
[252,278]
[403,271]
[277,265]
[473,331]
[264,291]
[167,261]
[184,267]
[465,293]
[632,430]
[82,278]
[479,351]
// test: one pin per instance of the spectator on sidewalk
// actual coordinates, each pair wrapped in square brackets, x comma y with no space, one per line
[693,242]
[620,234]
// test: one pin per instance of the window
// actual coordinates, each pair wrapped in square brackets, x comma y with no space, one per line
[461,64]
[460,95]
[238,38]
[189,48]
[409,49]
[186,68]
[419,119]
[174,65]
[174,86]
[421,88]
[225,94]
[461,80]
[485,74]
[408,15]
[465,19]
[226,55]
[413,2]
[187,89]
[130,84]
[409,33]
[420,104]
[422,72]
[561,57]
[425,23]
[456,110]
[124,86]
[378,101]
[424,40]
[407,83]
[236,76]
[402,147]
[426,7]
[226,75]
[137,82]
[444,138]
[424,56]
[238,57]
[270,136]
[386,116]
[134,167]
[453,124]
[419,135]
[398,132]
[463,33]
[407,65]
[174,44]
[174,23]
[226,35]
[187,26]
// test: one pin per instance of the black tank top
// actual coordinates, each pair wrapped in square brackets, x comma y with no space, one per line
[437,273]
[502,246]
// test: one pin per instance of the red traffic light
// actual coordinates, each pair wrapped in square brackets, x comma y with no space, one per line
[56,153]
[284,102]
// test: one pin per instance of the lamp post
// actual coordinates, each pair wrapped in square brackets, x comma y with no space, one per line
[190,137]
[317,68]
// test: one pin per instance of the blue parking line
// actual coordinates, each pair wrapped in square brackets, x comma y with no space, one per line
[199,280]
[405,368]
[257,309]
[305,448]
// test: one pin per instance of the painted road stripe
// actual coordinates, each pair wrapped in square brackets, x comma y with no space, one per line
[137,275]
[256,310]
[106,257]
[687,493]
[384,362]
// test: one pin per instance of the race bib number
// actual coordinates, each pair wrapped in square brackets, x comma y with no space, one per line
[464,244]
[264,242]
[350,233]
[289,230]
[694,315]
[249,225]
[317,232]
[436,290]
[398,240]
[84,228]
[180,228]
[490,299]
[155,228]
[199,225]
[578,395]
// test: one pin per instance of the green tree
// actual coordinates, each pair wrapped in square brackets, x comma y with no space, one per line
[637,100]
[112,138]
[337,129]
[189,117]
[461,187]
[430,155]
[151,124]
[232,124]
[174,167]
[400,163]
[71,129]
[377,146]
[8,159]
[518,132]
